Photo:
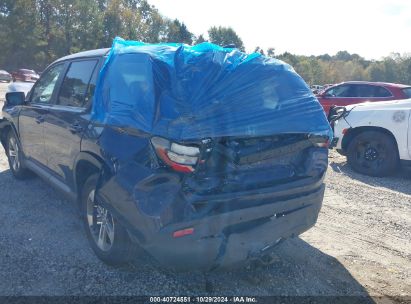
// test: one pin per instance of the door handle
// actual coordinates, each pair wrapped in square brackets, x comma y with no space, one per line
[40,119]
[75,128]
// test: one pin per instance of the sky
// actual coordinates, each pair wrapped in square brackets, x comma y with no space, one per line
[370,28]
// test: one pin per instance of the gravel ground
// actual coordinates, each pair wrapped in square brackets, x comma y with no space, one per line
[360,246]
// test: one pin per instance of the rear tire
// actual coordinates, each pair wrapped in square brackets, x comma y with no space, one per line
[108,239]
[373,153]
[15,157]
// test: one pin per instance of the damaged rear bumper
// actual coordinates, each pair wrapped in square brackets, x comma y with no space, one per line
[230,239]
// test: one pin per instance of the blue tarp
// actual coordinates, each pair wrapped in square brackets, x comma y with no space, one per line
[193,92]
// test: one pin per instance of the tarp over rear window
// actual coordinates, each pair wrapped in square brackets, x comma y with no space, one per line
[193,92]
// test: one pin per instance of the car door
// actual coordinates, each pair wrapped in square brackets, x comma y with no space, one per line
[69,117]
[32,115]
[347,94]
[340,95]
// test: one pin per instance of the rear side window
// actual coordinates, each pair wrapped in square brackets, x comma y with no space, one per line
[76,82]
[381,92]
[407,92]
[371,91]
[364,91]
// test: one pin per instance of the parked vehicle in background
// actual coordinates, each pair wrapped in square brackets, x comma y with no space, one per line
[24,87]
[198,203]
[5,76]
[316,88]
[353,92]
[25,75]
[375,137]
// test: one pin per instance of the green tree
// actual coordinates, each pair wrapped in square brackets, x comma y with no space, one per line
[89,30]
[405,70]
[36,32]
[289,58]
[155,25]
[39,31]
[200,39]
[225,36]
[20,34]
[178,32]
[375,72]
[343,56]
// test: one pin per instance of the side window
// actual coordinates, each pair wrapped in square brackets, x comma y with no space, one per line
[44,88]
[407,92]
[341,91]
[76,82]
[381,92]
[365,91]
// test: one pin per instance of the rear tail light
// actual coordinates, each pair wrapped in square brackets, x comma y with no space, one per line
[181,158]
[320,141]
[322,144]
[184,232]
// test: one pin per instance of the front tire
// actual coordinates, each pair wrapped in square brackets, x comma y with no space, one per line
[15,157]
[108,239]
[373,153]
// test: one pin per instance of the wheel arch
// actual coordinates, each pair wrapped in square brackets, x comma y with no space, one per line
[353,132]
[5,127]
[86,164]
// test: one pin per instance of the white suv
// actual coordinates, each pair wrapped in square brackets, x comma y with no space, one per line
[375,136]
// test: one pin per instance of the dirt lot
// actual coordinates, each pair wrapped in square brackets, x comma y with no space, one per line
[361,245]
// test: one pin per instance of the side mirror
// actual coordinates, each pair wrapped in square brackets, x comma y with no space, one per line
[15,99]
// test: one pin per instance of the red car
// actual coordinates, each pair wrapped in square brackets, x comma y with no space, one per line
[352,92]
[25,75]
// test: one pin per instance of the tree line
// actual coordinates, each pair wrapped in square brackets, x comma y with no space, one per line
[343,66]
[36,32]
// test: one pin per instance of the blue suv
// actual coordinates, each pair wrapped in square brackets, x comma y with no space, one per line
[203,203]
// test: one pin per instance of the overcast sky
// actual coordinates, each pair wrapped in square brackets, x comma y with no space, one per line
[370,28]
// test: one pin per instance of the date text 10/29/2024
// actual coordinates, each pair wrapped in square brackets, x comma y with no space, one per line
[205,299]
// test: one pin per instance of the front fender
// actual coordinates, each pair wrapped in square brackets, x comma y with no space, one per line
[394,121]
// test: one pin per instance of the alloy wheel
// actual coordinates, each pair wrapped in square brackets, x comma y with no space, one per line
[101,223]
[13,148]
[370,154]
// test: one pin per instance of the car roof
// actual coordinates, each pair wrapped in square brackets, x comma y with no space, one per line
[384,84]
[85,54]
